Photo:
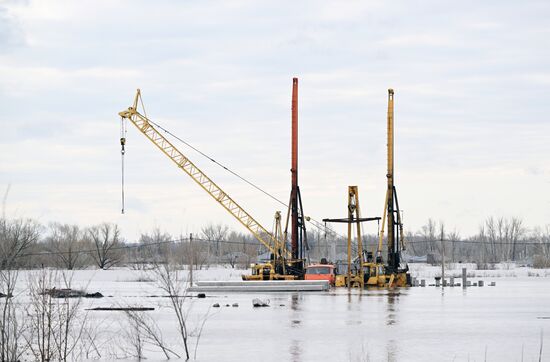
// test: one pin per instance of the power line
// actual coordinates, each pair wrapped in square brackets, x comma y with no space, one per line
[489,243]
[137,246]
[182,240]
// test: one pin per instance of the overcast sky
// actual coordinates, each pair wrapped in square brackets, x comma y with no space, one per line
[471,80]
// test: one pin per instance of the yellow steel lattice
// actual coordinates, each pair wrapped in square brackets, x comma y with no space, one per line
[142,123]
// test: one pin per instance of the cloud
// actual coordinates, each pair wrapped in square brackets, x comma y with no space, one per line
[469,106]
[11,35]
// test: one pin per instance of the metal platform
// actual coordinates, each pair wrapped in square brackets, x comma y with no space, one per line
[261,286]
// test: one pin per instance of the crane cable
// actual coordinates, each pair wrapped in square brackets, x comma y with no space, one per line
[233,172]
[122,152]
[220,165]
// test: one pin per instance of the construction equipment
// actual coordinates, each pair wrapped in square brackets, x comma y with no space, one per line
[398,276]
[295,265]
[321,271]
[368,269]
[296,212]
[281,265]
[358,271]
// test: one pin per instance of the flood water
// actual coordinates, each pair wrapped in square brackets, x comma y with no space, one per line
[500,323]
[414,324]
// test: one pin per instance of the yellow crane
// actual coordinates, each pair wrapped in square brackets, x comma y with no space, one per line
[281,265]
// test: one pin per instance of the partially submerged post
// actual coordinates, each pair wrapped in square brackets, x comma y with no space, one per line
[464,278]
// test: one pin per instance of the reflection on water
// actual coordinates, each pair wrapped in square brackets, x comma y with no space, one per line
[295,349]
[393,299]
[391,347]
[391,320]
[294,305]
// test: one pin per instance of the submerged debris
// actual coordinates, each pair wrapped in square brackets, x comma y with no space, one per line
[71,293]
[256,302]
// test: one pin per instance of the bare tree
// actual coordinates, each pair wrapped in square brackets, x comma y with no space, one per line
[541,250]
[132,332]
[215,234]
[157,244]
[172,282]
[16,236]
[56,327]
[10,328]
[144,329]
[515,231]
[429,232]
[454,237]
[106,242]
[64,242]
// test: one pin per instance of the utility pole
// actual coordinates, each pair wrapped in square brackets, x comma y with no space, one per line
[442,237]
[191,259]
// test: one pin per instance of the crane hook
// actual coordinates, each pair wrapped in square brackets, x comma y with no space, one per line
[122,152]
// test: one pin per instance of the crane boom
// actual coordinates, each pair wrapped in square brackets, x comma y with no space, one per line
[143,124]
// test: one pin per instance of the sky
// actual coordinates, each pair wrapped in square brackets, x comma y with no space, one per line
[471,84]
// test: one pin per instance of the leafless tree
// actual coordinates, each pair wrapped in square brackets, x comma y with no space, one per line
[196,252]
[10,328]
[106,242]
[215,234]
[514,232]
[133,334]
[144,329]
[16,237]
[65,242]
[541,250]
[542,236]
[56,328]
[428,233]
[501,236]
[157,244]
[171,281]
[454,238]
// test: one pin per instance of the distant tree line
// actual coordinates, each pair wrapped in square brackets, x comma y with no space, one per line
[24,243]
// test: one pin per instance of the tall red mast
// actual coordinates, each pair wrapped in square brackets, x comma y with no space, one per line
[294,171]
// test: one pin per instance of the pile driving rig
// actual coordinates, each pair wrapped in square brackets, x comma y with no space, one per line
[358,271]
[398,276]
[295,265]
[298,232]
[368,268]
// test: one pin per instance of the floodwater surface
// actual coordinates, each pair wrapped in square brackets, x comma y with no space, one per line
[506,322]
